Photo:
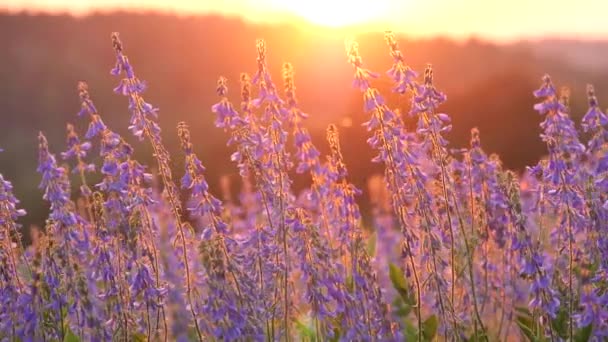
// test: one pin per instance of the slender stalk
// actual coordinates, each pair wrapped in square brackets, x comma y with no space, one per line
[436,151]
[122,290]
[13,228]
[61,322]
[427,218]
[137,105]
[155,268]
[401,213]
[439,155]
[83,181]
[285,252]
[175,205]
[570,273]
[260,178]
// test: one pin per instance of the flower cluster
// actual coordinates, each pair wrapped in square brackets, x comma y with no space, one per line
[460,248]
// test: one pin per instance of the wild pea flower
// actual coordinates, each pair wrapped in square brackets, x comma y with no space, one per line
[142,115]
[56,188]
[275,159]
[324,292]
[595,180]
[307,155]
[560,176]
[431,127]
[259,147]
[134,174]
[194,180]
[142,123]
[398,153]
[388,139]
[595,122]
[560,136]
[245,132]
[227,116]
[78,150]
[401,73]
[488,218]
[135,246]
[366,317]
[143,126]
[388,238]
[593,300]
[105,270]
[425,97]
[113,150]
[534,265]
[230,296]
[261,241]
[48,299]
[177,306]
[125,184]
[87,107]
[268,92]
[10,290]
[142,112]
[371,317]
[273,164]
[123,176]
[336,173]
[67,231]
[482,175]
[127,197]
[65,228]
[9,214]
[229,119]
[145,291]
[562,142]
[594,312]
[245,219]
[116,154]
[12,286]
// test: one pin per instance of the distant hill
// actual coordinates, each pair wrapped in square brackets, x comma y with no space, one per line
[43,57]
[588,55]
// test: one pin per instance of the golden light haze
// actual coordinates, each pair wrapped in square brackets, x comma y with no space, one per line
[493,19]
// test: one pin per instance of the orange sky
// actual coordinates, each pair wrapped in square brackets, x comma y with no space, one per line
[499,19]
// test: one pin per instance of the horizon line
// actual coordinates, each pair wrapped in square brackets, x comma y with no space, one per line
[295,21]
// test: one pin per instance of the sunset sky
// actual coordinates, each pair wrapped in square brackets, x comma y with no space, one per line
[498,19]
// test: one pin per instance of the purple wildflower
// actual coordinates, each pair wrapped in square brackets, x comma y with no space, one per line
[562,189]
[143,125]
[12,285]
[237,299]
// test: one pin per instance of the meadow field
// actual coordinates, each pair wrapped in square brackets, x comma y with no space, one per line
[455,246]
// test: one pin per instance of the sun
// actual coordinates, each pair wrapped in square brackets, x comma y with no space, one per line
[339,13]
